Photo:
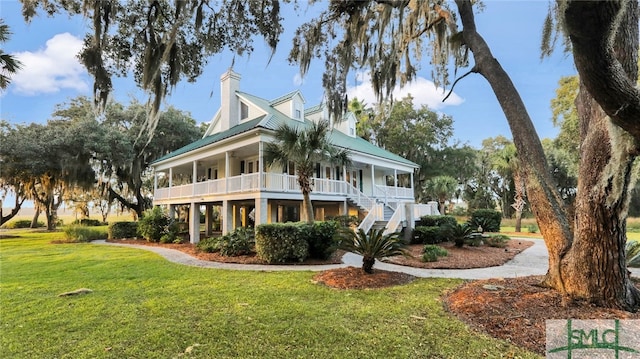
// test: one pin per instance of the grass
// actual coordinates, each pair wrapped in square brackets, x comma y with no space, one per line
[146,307]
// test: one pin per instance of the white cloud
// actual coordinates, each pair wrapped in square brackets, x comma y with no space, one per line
[51,69]
[423,91]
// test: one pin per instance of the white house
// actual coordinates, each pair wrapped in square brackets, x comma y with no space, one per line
[225,170]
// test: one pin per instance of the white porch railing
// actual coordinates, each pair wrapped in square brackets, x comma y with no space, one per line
[388,192]
[275,182]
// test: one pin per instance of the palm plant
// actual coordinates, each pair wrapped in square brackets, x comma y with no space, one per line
[371,246]
[459,233]
[8,64]
[305,148]
[441,188]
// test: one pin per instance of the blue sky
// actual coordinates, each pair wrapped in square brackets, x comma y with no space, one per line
[512,29]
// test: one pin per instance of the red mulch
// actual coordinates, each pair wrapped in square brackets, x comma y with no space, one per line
[356,278]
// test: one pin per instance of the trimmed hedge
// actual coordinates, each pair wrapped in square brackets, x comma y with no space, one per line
[428,235]
[79,233]
[21,223]
[321,237]
[118,230]
[281,242]
[88,222]
[488,219]
[239,242]
[437,221]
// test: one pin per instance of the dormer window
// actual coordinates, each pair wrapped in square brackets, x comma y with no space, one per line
[297,111]
[244,111]
[352,131]
[298,114]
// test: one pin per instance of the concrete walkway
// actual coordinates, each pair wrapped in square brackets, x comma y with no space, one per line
[532,261]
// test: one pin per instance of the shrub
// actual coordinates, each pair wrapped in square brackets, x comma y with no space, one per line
[532,228]
[79,233]
[497,240]
[431,253]
[437,221]
[208,245]
[239,242]
[118,230]
[488,219]
[87,222]
[153,224]
[321,237]
[345,221]
[427,235]
[371,246]
[171,233]
[281,242]
[21,223]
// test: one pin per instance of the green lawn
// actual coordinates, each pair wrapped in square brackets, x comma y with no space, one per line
[146,307]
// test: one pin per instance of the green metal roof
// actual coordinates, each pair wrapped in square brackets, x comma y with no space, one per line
[275,119]
[235,130]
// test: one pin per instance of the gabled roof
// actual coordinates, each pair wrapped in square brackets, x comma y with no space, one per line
[275,119]
[285,98]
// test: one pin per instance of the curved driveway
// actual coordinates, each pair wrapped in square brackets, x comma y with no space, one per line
[532,261]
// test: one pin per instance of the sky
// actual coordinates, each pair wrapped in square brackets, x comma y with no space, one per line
[52,74]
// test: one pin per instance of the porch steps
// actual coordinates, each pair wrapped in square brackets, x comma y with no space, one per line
[379,225]
[388,212]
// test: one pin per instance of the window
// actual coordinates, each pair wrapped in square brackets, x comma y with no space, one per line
[327,173]
[241,166]
[244,111]
[352,131]
[292,168]
[250,165]
[317,170]
[298,114]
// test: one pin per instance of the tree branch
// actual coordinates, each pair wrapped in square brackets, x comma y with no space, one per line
[473,70]
[592,26]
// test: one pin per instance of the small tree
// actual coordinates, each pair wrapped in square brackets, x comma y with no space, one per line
[305,148]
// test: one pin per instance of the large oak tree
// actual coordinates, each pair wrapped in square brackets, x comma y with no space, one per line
[586,251]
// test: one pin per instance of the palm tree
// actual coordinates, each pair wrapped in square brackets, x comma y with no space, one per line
[441,187]
[8,64]
[305,148]
[371,246]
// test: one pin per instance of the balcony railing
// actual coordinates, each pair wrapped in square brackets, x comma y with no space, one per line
[273,182]
[392,192]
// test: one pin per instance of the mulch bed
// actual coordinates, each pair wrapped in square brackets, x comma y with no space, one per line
[463,258]
[356,278]
[517,310]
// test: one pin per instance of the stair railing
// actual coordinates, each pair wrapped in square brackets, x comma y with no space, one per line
[395,221]
[358,197]
[376,213]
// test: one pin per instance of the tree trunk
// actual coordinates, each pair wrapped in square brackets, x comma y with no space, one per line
[307,207]
[518,221]
[367,264]
[14,211]
[595,267]
[36,215]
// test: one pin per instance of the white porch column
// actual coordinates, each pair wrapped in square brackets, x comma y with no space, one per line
[344,173]
[411,221]
[226,171]
[170,176]
[227,217]
[395,181]
[194,178]
[345,208]
[413,190]
[155,181]
[260,165]
[261,213]
[373,181]
[194,222]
